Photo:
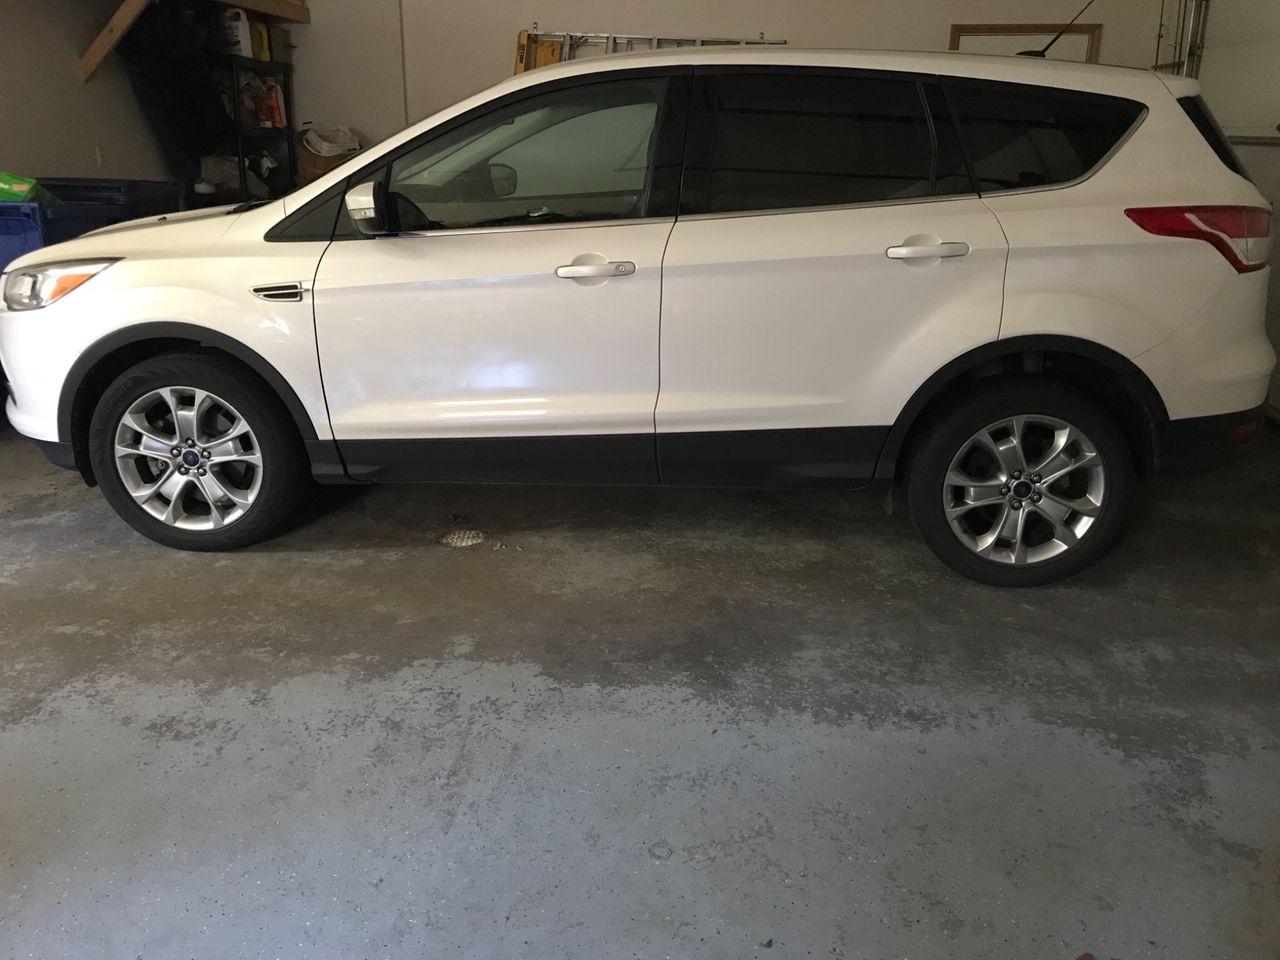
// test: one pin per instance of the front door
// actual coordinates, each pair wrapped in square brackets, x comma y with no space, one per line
[509,331]
[833,256]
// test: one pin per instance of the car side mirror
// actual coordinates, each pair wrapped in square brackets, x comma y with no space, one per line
[367,207]
[504,179]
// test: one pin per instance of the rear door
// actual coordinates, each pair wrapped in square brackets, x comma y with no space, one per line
[830,255]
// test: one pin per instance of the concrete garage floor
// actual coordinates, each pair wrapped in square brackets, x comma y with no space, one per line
[654,724]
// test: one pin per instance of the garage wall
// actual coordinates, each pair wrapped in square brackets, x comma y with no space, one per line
[1240,76]
[457,48]
[1263,164]
[350,68]
[1240,72]
[52,122]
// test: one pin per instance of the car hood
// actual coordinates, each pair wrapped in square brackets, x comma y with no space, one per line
[173,234]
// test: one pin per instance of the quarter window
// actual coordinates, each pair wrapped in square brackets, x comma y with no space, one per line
[816,140]
[1019,136]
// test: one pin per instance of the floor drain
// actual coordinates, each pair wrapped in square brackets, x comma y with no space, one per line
[463,538]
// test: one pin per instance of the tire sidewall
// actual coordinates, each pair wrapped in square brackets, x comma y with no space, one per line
[275,435]
[942,437]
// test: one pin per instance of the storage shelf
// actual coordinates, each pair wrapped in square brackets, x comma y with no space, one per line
[128,11]
[286,11]
[273,67]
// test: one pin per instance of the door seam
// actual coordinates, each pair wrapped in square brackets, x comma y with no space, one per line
[662,279]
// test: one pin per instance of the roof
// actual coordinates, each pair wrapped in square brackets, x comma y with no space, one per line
[1057,73]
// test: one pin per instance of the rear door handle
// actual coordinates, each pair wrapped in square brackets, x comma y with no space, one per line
[927,251]
[583,271]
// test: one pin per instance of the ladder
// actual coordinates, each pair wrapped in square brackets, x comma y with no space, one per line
[537,48]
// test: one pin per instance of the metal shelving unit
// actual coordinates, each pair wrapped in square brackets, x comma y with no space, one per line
[252,140]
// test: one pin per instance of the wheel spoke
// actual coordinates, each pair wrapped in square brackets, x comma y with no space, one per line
[136,423]
[213,492]
[247,456]
[1056,512]
[147,493]
[184,417]
[175,489]
[1062,438]
[1008,450]
[123,450]
[975,493]
[217,487]
[237,430]
[985,542]
[1019,538]
[226,448]
[1011,525]
[1007,530]
[1061,507]
[1058,470]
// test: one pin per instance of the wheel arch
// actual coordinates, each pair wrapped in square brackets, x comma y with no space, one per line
[1110,378]
[106,359]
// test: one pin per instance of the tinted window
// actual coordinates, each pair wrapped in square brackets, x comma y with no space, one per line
[801,141]
[1020,136]
[1207,124]
[576,154]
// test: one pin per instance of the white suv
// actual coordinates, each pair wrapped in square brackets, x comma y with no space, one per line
[1013,285]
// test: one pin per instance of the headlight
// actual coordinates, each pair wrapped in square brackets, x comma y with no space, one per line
[34,287]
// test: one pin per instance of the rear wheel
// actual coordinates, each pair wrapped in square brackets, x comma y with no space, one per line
[196,454]
[1021,483]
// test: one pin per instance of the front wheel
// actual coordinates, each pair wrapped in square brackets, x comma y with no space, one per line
[1021,483]
[196,454]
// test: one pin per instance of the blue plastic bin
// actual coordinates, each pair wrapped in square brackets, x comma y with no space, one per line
[88,203]
[20,230]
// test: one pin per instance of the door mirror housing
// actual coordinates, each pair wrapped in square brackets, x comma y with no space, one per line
[367,206]
[504,179]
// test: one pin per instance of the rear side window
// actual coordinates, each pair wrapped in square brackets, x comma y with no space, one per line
[795,140]
[1207,124]
[1019,136]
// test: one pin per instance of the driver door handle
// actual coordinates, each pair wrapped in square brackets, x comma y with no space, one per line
[925,251]
[581,271]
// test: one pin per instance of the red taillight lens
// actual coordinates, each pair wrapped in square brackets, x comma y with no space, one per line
[1241,234]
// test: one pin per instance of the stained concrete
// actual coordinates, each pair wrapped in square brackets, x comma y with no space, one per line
[635,724]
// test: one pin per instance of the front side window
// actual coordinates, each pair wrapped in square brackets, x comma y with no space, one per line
[578,154]
[1019,136]
[796,140]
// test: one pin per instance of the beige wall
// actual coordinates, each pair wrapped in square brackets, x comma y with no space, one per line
[457,48]
[1240,76]
[1263,163]
[350,69]
[51,121]
[1240,73]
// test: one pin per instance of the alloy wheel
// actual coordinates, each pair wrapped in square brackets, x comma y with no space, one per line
[1024,489]
[188,458]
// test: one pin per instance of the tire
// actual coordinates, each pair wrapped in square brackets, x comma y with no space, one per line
[1065,517]
[238,494]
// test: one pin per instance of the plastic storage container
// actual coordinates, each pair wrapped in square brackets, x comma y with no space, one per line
[87,204]
[21,231]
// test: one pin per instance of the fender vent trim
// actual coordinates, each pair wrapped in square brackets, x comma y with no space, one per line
[281,292]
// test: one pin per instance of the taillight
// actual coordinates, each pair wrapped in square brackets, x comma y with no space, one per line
[1241,234]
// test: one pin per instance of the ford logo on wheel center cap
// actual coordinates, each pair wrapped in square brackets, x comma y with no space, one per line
[190,458]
